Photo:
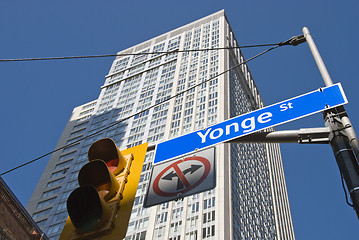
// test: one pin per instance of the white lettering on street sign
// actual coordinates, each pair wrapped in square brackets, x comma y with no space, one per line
[279,113]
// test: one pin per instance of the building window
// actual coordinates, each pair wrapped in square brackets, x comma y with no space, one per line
[175,228]
[161,218]
[46,202]
[194,207]
[159,232]
[59,173]
[61,206]
[208,232]
[50,192]
[138,200]
[67,156]
[79,126]
[60,216]
[86,112]
[191,235]
[41,213]
[55,182]
[66,195]
[88,106]
[54,228]
[175,238]
[41,223]
[208,217]
[71,148]
[63,164]
[177,213]
[140,224]
[139,236]
[208,203]
[72,184]
[192,222]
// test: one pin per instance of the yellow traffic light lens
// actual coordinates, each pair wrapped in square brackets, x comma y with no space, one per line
[97,174]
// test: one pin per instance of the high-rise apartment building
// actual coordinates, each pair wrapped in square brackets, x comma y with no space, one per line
[250,199]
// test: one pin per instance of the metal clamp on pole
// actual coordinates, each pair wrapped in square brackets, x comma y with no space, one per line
[304,136]
[294,41]
[314,135]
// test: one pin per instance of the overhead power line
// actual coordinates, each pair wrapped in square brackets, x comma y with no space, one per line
[291,41]
[132,54]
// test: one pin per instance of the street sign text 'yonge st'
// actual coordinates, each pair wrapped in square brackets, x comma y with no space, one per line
[282,112]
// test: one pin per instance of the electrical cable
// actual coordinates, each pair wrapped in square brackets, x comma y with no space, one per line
[142,111]
[345,191]
[134,54]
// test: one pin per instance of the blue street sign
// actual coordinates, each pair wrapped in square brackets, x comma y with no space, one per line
[279,113]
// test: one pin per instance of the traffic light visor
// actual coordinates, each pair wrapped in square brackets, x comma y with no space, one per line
[106,150]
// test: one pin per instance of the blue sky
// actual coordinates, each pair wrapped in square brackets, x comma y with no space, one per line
[37,98]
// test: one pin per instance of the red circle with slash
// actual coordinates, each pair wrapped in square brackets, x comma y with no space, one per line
[181,176]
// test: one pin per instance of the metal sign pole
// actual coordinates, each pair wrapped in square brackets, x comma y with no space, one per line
[328,82]
[343,139]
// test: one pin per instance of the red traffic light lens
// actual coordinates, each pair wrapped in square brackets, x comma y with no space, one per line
[106,150]
[112,164]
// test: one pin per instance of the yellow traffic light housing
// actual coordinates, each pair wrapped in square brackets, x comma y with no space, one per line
[101,207]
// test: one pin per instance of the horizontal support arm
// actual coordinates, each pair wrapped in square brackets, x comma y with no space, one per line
[304,136]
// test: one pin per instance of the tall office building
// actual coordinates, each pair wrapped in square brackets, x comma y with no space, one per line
[250,199]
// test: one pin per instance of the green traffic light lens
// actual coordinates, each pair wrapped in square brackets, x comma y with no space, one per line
[84,208]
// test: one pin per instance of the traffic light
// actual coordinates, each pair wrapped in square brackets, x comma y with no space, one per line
[101,206]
